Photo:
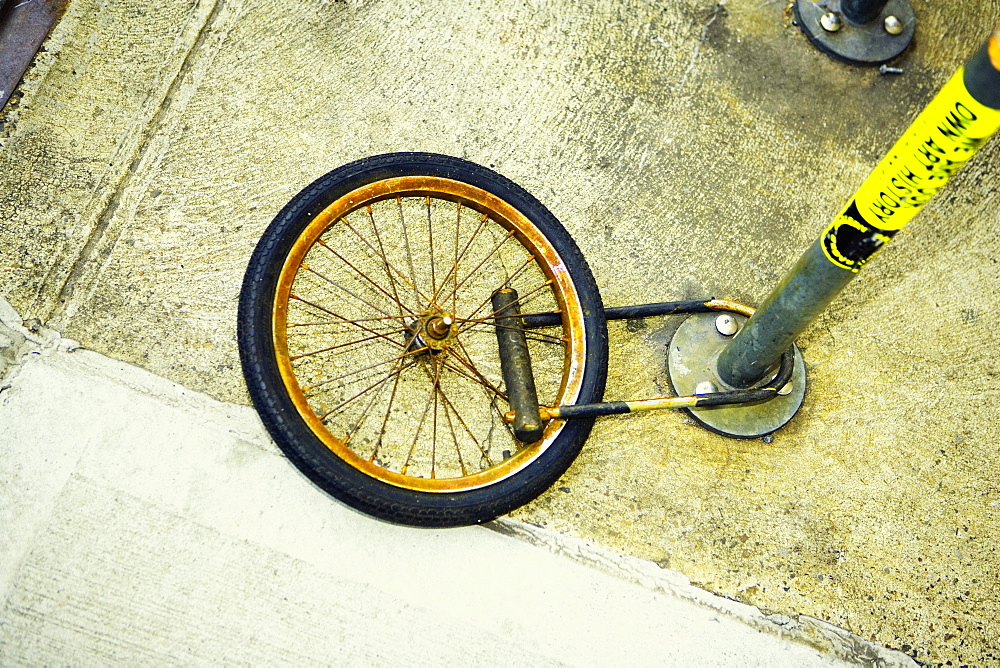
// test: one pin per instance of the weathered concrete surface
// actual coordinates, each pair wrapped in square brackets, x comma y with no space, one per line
[172,531]
[699,144]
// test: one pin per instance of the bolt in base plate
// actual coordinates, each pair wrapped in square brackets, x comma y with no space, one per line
[694,349]
[858,44]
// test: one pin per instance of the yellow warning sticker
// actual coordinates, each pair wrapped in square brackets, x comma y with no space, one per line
[941,139]
[945,134]
[848,242]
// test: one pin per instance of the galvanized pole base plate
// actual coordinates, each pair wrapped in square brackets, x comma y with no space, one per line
[859,44]
[694,349]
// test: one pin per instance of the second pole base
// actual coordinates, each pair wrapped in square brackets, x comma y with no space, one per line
[694,349]
[868,44]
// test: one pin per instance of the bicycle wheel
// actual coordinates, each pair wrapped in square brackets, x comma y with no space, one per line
[369,343]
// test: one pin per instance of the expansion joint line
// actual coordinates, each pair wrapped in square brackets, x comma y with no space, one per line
[75,287]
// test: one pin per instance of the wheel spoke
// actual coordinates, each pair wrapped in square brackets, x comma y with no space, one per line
[454,436]
[454,271]
[385,421]
[530,334]
[521,299]
[342,345]
[468,364]
[420,296]
[342,322]
[454,268]
[493,316]
[434,433]
[449,404]
[492,395]
[506,284]
[363,275]
[364,391]
[499,413]
[364,415]
[436,391]
[499,256]
[478,266]
[475,380]
[385,260]
[314,386]
[423,418]
[430,242]
[353,322]
[409,253]
[342,288]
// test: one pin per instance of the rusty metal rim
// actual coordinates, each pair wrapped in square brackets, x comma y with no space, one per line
[994,47]
[534,242]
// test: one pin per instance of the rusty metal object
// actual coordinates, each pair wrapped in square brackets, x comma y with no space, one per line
[994,47]
[515,362]
[24,25]
[439,327]
[570,312]
[705,394]
[644,311]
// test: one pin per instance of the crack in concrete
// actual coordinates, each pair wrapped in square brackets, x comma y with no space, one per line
[697,47]
[66,305]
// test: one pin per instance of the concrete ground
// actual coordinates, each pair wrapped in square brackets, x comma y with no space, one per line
[172,531]
[702,144]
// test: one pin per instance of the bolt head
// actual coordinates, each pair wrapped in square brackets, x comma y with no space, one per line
[831,22]
[726,325]
[893,25]
[705,387]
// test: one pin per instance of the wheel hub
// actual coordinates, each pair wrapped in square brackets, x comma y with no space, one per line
[435,331]
[439,327]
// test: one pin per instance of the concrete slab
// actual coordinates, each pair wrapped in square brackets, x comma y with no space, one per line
[116,61]
[705,143]
[152,524]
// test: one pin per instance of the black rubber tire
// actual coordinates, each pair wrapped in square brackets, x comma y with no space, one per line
[294,436]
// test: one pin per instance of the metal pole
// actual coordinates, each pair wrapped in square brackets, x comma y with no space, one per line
[963,115]
[861,11]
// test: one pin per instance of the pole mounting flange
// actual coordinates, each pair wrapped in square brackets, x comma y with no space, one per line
[834,33]
[691,358]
